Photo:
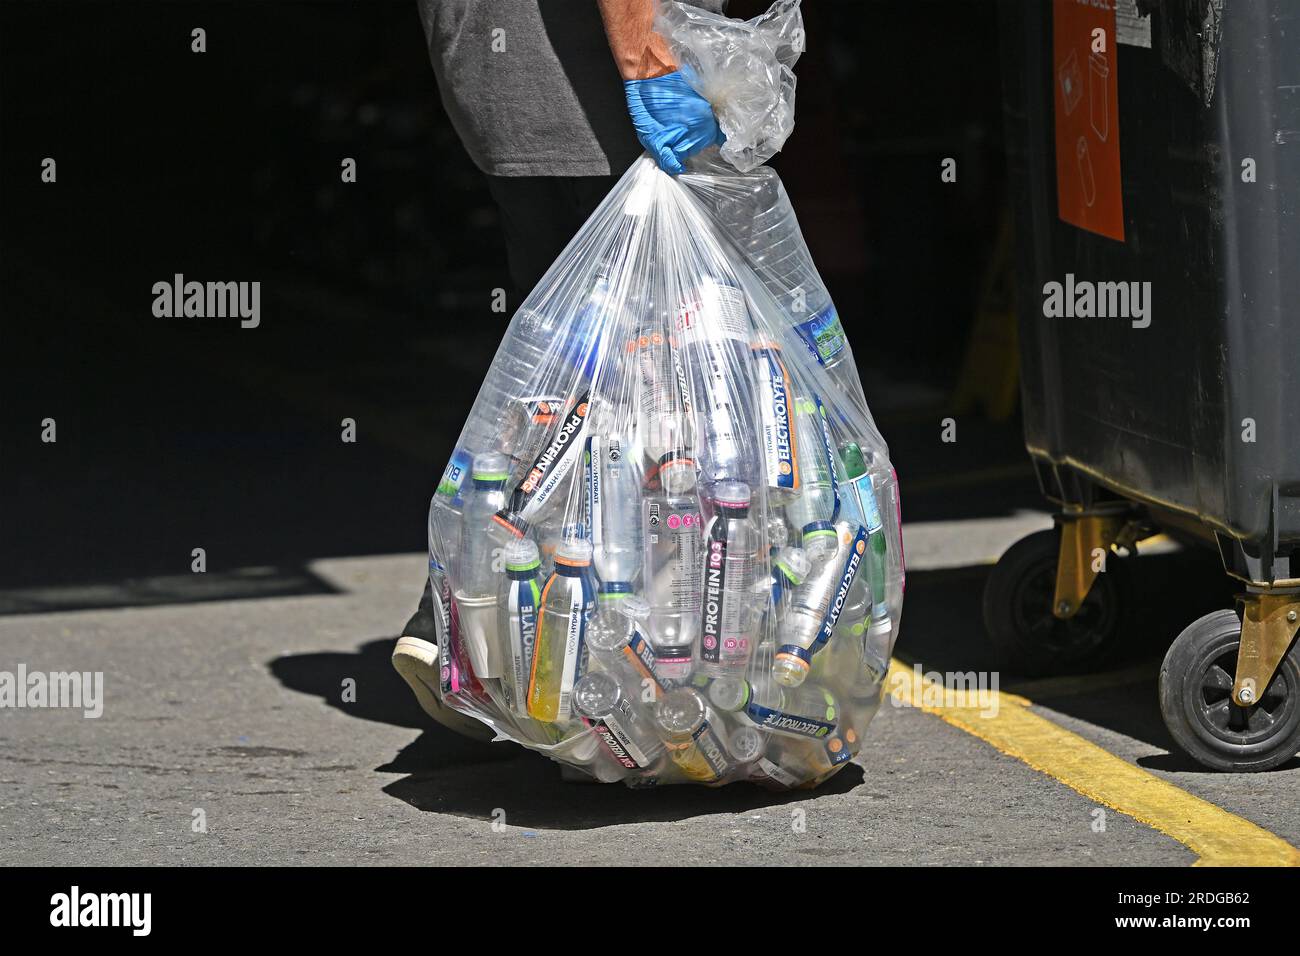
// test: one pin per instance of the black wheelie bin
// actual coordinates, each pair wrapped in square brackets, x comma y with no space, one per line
[1155,172]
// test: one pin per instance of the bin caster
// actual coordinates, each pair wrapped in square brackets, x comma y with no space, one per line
[1023,620]
[1203,713]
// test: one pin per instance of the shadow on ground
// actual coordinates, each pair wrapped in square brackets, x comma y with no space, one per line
[447,773]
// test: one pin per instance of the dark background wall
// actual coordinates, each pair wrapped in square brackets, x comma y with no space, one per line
[183,433]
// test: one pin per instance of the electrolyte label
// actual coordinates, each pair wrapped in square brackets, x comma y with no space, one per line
[779,437]
[852,563]
[778,721]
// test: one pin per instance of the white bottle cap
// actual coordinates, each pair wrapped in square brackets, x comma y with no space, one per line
[574,551]
[731,494]
[520,554]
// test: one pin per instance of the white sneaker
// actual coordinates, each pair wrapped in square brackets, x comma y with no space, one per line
[417,661]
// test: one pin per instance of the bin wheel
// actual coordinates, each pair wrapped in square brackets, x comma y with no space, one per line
[1018,615]
[1196,681]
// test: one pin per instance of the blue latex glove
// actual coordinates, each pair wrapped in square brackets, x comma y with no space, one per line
[672,121]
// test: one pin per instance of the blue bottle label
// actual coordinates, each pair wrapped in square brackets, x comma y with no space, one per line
[454,475]
[823,335]
[778,721]
[867,495]
[856,554]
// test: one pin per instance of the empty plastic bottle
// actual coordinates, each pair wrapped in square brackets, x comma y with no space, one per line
[776,413]
[863,495]
[693,735]
[814,511]
[731,544]
[664,423]
[790,566]
[529,423]
[805,711]
[568,602]
[617,642]
[774,247]
[477,580]
[519,610]
[731,694]
[550,477]
[613,513]
[624,724]
[672,532]
[714,329]
[746,744]
[817,604]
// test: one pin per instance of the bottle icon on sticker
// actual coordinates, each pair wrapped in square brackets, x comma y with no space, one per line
[1071,80]
[1086,179]
[1098,98]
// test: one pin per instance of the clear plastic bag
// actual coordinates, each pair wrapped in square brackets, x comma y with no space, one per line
[744,68]
[667,545]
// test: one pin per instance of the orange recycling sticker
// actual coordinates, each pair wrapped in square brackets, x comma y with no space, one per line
[1089,193]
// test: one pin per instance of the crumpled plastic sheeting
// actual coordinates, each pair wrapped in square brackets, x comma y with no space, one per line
[744,68]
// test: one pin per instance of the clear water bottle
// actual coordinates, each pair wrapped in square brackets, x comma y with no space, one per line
[757,212]
[476,580]
[617,642]
[747,745]
[664,424]
[731,549]
[814,511]
[519,612]
[714,329]
[790,566]
[672,533]
[624,725]
[568,603]
[775,248]
[525,391]
[613,479]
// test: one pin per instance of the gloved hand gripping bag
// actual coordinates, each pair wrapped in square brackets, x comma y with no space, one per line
[666,548]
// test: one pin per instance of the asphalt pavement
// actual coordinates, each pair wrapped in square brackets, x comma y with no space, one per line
[231,713]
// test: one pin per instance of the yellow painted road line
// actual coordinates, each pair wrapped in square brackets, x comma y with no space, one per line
[1217,837]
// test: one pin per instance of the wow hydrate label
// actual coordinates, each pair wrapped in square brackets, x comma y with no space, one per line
[823,335]
[779,449]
